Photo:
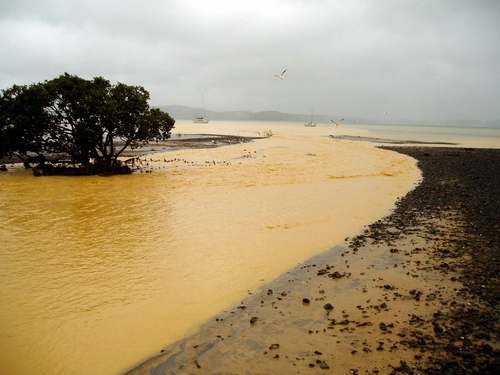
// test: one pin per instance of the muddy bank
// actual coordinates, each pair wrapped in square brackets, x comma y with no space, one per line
[176,142]
[194,141]
[416,292]
[389,141]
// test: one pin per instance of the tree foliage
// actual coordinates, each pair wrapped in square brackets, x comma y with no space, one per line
[89,121]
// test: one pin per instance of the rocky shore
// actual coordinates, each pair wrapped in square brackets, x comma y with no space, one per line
[417,292]
[460,188]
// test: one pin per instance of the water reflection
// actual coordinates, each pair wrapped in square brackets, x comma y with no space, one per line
[75,246]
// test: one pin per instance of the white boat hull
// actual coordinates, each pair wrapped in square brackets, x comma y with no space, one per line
[200,121]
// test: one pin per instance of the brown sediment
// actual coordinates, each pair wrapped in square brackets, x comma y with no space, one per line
[194,142]
[171,144]
[416,292]
[389,141]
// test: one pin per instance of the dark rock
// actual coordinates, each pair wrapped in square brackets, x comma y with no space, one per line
[335,275]
[324,366]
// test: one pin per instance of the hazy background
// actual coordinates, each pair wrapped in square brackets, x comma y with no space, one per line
[390,60]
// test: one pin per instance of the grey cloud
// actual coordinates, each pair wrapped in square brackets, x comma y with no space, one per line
[421,60]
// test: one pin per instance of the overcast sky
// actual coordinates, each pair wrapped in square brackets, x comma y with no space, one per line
[422,59]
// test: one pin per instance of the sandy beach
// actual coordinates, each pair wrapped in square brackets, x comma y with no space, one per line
[416,292]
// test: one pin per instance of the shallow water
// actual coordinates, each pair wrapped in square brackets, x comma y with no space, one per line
[461,136]
[98,274]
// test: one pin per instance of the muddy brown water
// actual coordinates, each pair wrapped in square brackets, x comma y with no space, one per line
[100,273]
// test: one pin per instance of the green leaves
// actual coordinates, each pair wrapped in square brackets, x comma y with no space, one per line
[79,118]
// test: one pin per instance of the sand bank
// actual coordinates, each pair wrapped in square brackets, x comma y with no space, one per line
[416,292]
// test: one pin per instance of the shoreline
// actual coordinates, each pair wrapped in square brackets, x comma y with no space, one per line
[389,141]
[194,142]
[416,292]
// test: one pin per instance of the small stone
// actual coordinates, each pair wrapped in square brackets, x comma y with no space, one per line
[437,328]
[324,366]
[335,275]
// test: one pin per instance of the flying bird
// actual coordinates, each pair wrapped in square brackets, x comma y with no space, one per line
[336,123]
[280,76]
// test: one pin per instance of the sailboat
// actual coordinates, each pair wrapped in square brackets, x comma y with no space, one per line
[201,119]
[311,123]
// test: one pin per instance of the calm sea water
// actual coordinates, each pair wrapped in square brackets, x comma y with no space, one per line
[98,273]
[462,136]
[481,137]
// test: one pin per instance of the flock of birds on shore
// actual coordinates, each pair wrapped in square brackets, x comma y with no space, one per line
[142,165]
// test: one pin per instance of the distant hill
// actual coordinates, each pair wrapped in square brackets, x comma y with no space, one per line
[181,112]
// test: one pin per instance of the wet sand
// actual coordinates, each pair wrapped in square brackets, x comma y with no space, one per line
[416,292]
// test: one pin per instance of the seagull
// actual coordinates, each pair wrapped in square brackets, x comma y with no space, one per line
[280,76]
[336,123]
